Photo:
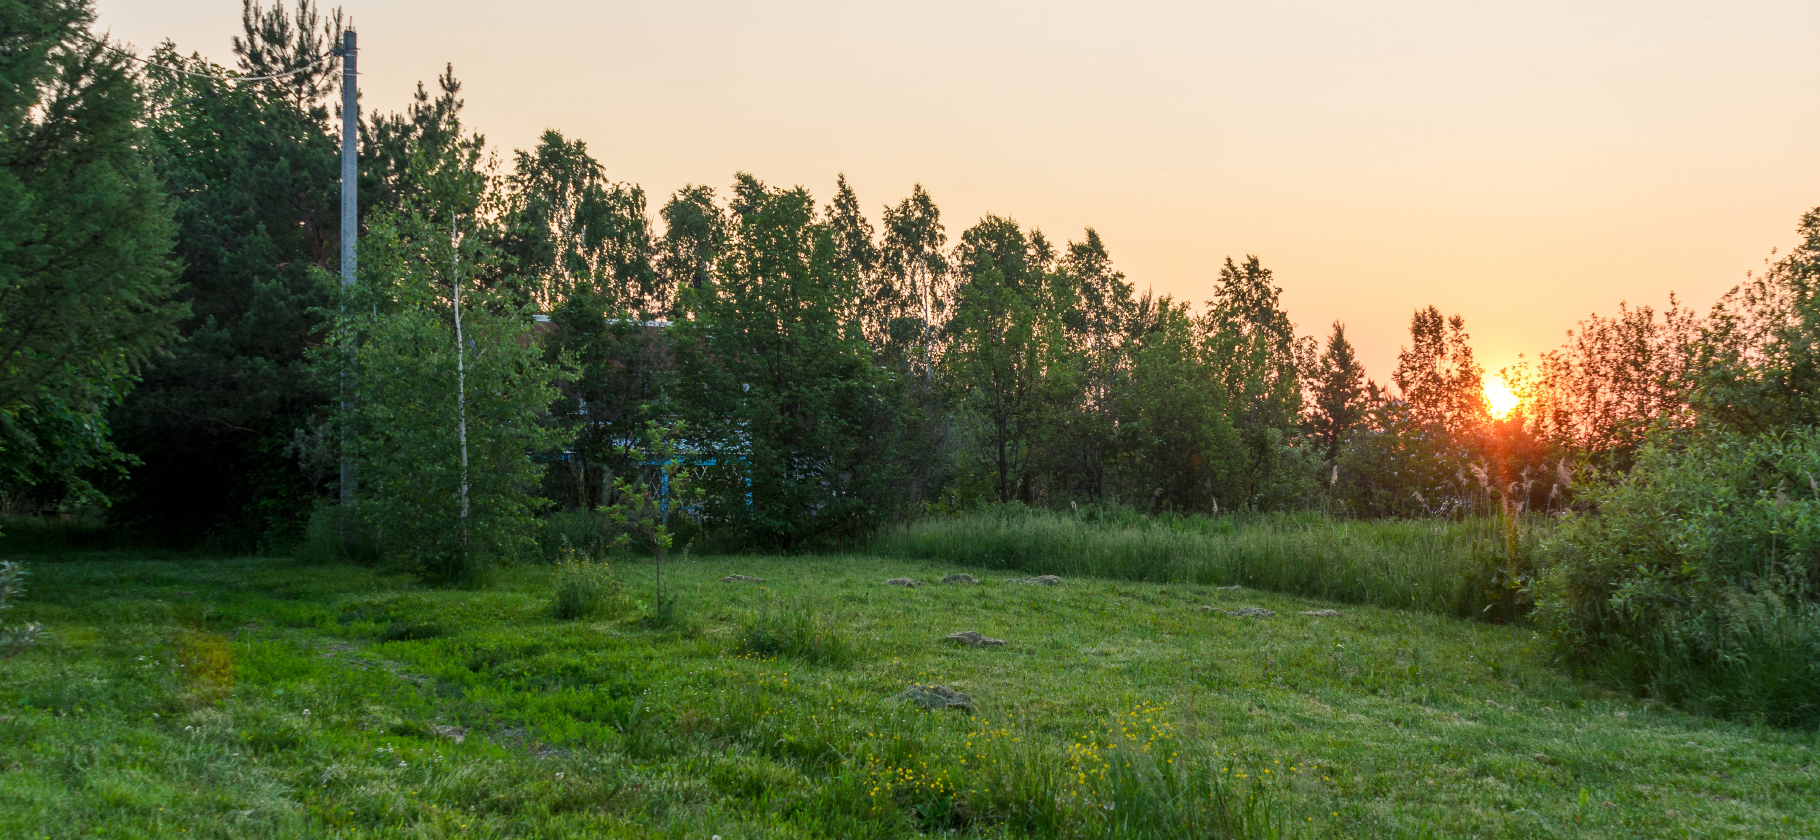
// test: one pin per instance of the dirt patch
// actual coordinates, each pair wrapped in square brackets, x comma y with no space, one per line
[741,579]
[1322,613]
[908,583]
[960,579]
[1040,580]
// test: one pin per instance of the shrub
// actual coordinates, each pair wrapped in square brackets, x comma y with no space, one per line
[1697,580]
[795,631]
[584,588]
[411,631]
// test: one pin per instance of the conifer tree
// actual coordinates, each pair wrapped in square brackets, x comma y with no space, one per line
[86,279]
[1339,389]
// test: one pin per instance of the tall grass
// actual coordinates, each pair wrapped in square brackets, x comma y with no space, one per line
[1470,568]
[53,534]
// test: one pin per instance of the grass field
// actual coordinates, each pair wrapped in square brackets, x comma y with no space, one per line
[262,698]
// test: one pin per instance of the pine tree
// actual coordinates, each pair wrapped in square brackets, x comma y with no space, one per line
[1339,389]
[86,279]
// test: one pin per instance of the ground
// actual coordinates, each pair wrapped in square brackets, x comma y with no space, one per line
[264,698]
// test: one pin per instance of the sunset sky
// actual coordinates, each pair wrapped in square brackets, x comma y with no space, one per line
[1519,164]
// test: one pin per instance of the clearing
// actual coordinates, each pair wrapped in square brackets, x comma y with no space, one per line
[263,698]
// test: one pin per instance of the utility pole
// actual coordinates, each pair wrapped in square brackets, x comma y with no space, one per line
[350,231]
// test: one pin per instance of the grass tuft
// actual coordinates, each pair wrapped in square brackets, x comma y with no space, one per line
[796,631]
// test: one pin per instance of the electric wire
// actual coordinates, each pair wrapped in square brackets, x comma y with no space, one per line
[320,60]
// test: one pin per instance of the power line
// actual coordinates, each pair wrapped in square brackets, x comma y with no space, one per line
[320,60]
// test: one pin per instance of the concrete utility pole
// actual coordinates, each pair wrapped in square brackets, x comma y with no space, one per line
[350,231]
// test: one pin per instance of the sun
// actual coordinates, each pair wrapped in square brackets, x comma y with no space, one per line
[1499,396]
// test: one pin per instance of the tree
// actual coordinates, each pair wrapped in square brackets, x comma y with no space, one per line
[1339,389]
[856,256]
[1438,379]
[86,279]
[1759,352]
[908,298]
[695,231]
[776,379]
[1007,353]
[429,128]
[584,249]
[1420,452]
[1096,327]
[443,431]
[1261,363]
[1175,428]
[578,235]
[1615,378]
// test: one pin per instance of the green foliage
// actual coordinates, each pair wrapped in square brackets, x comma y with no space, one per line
[1339,391]
[1698,579]
[1008,357]
[86,279]
[794,630]
[229,426]
[57,534]
[1176,430]
[778,385]
[1759,356]
[646,513]
[442,437]
[585,587]
[1261,362]
[1424,451]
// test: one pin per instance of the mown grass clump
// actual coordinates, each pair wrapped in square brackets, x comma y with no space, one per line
[1446,567]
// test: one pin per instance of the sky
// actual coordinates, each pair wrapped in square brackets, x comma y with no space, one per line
[1520,164]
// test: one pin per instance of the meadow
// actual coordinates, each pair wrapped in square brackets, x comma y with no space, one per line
[263,697]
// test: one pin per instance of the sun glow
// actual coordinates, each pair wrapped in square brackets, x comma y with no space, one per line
[1499,396]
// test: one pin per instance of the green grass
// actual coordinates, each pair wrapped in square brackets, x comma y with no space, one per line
[263,698]
[1452,568]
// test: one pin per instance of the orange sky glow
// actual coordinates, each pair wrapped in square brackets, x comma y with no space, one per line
[1522,165]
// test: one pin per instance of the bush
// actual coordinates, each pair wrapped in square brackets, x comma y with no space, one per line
[1697,580]
[795,631]
[585,588]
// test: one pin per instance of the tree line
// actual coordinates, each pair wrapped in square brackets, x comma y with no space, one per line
[176,344]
